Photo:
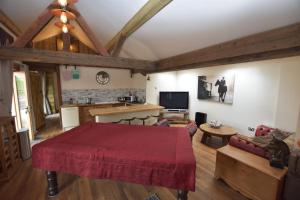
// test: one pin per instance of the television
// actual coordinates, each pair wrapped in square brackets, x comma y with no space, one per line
[174,100]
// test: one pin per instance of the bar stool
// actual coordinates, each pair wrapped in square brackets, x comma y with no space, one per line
[143,119]
[129,120]
[157,116]
[117,122]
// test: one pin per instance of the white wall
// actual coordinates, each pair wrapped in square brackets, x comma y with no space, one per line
[289,95]
[262,91]
[119,78]
[166,81]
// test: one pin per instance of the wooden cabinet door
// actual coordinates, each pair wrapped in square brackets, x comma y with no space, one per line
[37,99]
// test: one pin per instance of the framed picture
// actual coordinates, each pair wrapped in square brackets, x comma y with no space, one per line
[216,88]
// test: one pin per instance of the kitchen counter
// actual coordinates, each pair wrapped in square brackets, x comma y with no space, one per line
[81,112]
[123,113]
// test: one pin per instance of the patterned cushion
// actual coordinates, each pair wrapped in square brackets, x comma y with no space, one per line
[247,145]
[263,130]
[192,128]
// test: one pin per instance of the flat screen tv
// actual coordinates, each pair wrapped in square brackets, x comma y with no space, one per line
[174,100]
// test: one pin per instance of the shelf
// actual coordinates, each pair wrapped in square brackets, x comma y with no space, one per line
[176,117]
[9,149]
[175,112]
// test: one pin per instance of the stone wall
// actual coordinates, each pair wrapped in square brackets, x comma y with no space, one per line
[101,95]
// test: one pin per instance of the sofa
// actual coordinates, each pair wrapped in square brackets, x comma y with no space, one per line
[247,144]
[244,144]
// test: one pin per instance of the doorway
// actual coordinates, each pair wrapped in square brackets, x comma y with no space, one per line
[36,101]
[46,98]
[21,103]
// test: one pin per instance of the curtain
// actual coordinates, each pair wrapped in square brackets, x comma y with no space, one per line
[47,108]
[6,87]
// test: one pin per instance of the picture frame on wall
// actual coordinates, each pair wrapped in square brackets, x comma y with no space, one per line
[216,88]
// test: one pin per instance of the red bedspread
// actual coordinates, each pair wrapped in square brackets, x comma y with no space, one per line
[149,155]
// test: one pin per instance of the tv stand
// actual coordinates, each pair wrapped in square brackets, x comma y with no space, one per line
[176,110]
[176,116]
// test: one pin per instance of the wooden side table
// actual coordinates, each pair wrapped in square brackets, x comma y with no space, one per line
[225,132]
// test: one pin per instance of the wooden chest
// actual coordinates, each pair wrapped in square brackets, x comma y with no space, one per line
[249,174]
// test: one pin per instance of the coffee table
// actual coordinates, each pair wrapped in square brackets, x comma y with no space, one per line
[225,132]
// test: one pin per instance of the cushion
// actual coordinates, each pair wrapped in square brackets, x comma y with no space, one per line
[262,130]
[245,143]
[192,128]
[264,140]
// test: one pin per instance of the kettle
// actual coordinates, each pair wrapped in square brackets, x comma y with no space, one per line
[88,100]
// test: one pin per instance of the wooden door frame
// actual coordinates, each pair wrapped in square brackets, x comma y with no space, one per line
[58,82]
[55,68]
[46,67]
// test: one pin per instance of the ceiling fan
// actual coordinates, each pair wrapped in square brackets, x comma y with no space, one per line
[64,14]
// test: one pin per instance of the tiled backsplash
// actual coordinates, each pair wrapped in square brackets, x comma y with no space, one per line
[104,95]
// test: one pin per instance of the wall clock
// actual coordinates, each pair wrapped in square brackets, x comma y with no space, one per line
[102,77]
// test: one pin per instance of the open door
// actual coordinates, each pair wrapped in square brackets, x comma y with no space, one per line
[20,100]
[23,106]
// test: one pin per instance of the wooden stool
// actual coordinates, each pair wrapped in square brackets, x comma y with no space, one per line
[129,120]
[143,119]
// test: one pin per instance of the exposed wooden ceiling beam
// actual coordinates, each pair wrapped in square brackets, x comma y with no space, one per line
[68,58]
[66,37]
[151,8]
[118,47]
[34,28]
[44,67]
[8,23]
[277,43]
[90,34]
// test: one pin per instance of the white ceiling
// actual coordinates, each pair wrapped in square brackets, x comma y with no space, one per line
[182,26]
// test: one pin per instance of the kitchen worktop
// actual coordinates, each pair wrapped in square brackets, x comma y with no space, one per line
[124,109]
[92,104]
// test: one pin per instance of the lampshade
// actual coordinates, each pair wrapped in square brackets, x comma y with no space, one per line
[62,3]
[64,27]
[59,12]
[63,17]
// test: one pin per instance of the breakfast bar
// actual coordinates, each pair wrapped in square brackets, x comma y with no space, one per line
[128,113]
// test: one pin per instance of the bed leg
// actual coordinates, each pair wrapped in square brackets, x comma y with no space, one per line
[52,183]
[182,195]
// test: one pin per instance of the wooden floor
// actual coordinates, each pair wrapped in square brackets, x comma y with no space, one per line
[29,183]
[51,128]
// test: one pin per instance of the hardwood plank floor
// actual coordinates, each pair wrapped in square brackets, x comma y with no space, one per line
[51,128]
[30,184]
